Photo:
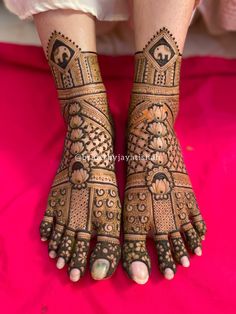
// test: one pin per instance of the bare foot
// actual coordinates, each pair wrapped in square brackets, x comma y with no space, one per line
[84,197]
[159,199]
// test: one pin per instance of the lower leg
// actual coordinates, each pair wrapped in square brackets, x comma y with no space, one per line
[84,196]
[156,87]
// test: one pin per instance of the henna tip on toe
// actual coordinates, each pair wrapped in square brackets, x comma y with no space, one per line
[60,263]
[139,272]
[185,261]
[169,274]
[198,251]
[43,239]
[52,254]
[75,275]
[99,269]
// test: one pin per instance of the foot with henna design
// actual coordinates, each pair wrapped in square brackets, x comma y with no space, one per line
[159,200]
[84,199]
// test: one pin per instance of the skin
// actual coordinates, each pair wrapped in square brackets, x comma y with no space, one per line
[75,32]
[148,18]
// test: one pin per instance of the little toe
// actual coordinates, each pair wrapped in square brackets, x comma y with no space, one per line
[136,260]
[46,227]
[165,259]
[105,257]
[139,272]
[198,251]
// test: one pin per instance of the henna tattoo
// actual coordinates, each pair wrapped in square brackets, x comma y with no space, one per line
[84,197]
[159,199]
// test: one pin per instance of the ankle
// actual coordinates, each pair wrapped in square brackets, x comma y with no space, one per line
[157,73]
[76,73]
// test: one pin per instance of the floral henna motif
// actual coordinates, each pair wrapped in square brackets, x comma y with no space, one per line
[84,197]
[159,199]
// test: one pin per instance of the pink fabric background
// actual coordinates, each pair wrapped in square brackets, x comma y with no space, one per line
[32,133]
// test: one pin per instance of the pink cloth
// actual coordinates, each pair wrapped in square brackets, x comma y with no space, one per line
[32,132]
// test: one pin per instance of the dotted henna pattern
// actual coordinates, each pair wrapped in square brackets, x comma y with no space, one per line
[167,208]
[84,198]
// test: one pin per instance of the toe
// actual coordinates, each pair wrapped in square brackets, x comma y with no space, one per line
[79,257]
[75,275]
[139,272]
[136,260]
[198,251]
[46,228]
[105,257]
[52,254]
[192,239]
[185,261]
[168,273]
[55,240]
[100,269]
[179,250]
[66,248]
[60,262]
[165,259]
[199,226]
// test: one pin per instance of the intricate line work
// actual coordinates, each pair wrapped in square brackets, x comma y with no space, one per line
[84,196]
[156,170]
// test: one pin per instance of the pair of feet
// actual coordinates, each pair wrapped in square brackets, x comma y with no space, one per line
[84,199]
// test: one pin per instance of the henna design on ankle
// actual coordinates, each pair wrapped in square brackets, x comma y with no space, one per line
[84,197]
[159,199]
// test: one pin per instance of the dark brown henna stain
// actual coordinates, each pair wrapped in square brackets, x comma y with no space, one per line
[159,199]
[84,196]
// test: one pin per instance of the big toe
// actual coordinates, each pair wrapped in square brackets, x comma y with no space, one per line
[100,268]
[139,272]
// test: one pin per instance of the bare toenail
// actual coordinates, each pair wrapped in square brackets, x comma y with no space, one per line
[139,272]
[43,239]
[169,274]
[198,251]
[52,254]
[185,261]
[203,237]
[74,274]
[99,269]
[60,263]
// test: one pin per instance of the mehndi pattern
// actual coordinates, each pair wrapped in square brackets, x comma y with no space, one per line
[84,197]
[159,199]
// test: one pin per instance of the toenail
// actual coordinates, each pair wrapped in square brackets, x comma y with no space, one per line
[198,251]
[139,272]
[60,263]
[74,274]
[185,261]
[52,254]
[43,239]
[99,269]
[169,274]
[203,237]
